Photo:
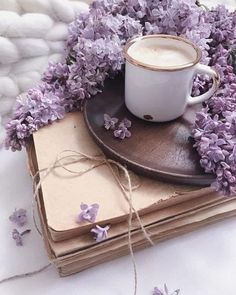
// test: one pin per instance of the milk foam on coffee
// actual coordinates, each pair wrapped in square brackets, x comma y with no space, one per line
[162,55]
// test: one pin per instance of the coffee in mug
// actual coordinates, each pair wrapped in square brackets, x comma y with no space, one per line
[159,76]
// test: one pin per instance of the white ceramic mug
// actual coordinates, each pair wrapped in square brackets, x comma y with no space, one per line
[161,93]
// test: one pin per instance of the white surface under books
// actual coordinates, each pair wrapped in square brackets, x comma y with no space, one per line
[200,263]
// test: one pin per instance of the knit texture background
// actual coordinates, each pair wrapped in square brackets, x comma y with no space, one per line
[32,33]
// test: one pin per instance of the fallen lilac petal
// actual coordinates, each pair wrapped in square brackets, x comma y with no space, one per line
[17,237]
[122,132]
[88,213]
[100,233]
[109,123]
[19,217]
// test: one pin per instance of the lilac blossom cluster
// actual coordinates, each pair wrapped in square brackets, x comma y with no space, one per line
[94,52]
[215,127]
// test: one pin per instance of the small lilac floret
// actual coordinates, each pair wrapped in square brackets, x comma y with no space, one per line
[100,233]
[122,132]
[19,217]
[109,122]
[17,236]
[89,212]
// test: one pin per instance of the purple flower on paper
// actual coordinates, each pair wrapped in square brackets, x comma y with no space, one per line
[17,236]
[100,233]
[19,217]
[122,132]
[158,291]
[110,123]
[89,212]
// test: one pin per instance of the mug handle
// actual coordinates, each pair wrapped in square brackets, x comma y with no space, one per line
[202,69]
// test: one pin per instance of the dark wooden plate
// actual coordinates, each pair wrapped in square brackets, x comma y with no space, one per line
[159,150]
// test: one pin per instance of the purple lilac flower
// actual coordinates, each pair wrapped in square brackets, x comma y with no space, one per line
[125,123]
[122,132]
[17,236]
[100,233]
[110,123]
[158,291]
[19,217]
[89,212]
[214,130]
[55,72]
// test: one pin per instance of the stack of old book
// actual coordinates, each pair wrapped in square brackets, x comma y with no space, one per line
[166,210]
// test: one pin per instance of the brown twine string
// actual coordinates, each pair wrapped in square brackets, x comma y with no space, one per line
[25,275]
[99,160]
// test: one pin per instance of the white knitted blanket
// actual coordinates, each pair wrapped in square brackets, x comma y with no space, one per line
[32,32]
